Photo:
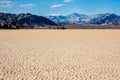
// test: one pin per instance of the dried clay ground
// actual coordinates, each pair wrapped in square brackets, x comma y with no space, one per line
[59,54]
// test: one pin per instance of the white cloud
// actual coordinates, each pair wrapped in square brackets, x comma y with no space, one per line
[6,3]
[68,0]
[57,5]
[11,4]
[27,5]
[55,14]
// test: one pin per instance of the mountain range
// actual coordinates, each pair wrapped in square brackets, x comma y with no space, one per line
[98,19]
[26,21]
[8,20]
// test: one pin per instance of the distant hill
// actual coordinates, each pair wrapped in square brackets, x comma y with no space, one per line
[8,20]
[73,18]
[98,19]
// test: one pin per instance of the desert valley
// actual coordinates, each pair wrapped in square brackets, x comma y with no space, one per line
[59,55]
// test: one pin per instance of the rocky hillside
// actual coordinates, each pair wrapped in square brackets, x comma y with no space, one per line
[71,18]
[8,20]
[98,19]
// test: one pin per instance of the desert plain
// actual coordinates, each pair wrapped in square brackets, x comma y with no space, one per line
[60,54]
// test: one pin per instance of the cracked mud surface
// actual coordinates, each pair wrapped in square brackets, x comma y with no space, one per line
[59,54]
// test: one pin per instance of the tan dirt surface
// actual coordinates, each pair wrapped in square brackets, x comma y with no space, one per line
[59,54]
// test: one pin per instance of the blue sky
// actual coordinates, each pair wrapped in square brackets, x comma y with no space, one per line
[62,7]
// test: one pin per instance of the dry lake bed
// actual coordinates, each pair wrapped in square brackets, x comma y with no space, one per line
[59,54]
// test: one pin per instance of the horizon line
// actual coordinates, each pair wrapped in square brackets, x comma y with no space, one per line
[59,14]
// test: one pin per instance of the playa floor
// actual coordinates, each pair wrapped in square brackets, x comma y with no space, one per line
[59,54]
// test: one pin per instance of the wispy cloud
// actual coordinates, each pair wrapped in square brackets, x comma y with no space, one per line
[55,14]
[11,4]
[57,5]
[7,3]
[27,5]
[68,0]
